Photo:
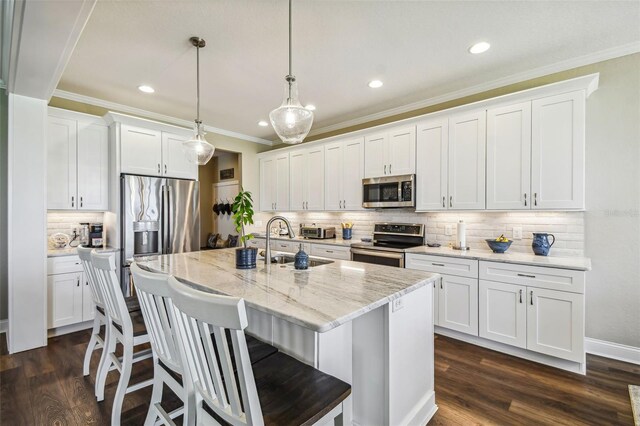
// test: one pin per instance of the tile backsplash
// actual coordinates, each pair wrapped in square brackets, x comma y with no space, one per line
[66,222]
[568,227]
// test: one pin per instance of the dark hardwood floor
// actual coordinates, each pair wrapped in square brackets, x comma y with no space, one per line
[473,386]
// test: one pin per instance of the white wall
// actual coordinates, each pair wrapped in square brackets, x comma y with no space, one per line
[4,108]
[613,203]
[27,223]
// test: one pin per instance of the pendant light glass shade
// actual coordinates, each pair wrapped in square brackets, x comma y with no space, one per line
[291,120]
[199,151]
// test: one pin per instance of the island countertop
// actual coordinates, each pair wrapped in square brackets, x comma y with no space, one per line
[319,298]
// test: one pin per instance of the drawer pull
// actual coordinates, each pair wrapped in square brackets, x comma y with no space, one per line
[283,245]
[526,275]
[329,251]
[438,264]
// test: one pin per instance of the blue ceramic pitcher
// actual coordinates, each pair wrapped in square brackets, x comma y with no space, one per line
[540,244]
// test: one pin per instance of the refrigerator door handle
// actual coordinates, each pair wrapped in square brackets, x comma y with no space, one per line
[163,218]
[167,216]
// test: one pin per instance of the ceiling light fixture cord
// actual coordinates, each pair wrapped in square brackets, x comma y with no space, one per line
[290,77]
[198,83]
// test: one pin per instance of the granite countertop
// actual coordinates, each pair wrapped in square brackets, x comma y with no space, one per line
[576,263]
[72,251]
[331,241]
[320,298]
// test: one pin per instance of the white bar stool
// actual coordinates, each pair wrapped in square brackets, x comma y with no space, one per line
[156,305]
[278,390]
[123,327]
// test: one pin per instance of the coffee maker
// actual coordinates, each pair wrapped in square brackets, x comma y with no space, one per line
[95,235]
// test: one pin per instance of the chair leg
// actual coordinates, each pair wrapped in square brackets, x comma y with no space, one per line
[189,404]
[123,383]
[105,360]
[156,396]
[93,341]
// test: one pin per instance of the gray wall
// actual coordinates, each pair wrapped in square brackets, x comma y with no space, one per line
[612,219]
[3,205]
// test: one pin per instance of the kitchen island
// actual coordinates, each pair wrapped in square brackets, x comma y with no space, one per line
[369,325]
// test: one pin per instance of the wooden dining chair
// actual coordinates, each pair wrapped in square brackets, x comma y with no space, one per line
[278,390]
[124,327]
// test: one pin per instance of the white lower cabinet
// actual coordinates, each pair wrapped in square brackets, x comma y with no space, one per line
[555,323]
[458,304]
[69,298]
[503,313]
[331,251]
[535,308]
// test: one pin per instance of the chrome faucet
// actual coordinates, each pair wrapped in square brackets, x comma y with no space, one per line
[267,252]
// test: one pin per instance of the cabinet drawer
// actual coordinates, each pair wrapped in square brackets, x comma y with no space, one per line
[63,265]
[257,242]
[534,276]
[332,252]
[442,265]
[285,246]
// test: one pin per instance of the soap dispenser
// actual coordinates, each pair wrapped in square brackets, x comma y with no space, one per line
[301,259]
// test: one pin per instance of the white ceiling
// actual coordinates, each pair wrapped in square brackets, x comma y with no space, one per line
[417,48]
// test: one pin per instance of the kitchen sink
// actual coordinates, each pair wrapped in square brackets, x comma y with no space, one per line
[283,259]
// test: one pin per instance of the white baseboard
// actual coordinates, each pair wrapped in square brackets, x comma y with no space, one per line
[52,332]
[612,350]
[4,325]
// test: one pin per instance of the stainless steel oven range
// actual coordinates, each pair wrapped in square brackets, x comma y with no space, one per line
[389,243]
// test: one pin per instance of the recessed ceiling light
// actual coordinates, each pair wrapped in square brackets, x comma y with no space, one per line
[374,84]
[262,123]
[146,89]
[481,47]
[310,107]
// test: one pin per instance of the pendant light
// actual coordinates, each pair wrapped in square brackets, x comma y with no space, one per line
[198,150]
[291,120]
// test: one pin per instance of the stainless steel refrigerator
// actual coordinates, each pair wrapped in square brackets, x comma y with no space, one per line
[158,216]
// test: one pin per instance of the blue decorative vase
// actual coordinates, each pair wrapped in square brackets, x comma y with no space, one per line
[346,233]
[301,259]
[540,244]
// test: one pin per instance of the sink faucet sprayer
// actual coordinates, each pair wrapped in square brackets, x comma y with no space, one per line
[267,253]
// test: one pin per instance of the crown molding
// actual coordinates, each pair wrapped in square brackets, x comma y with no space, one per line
[592,58]
[114,106]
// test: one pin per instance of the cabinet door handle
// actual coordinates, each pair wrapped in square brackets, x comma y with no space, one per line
[441,283]
[525,199]
[535,198]
[531,294]
[158,168]
[444,202]
[437,264]
[73,201]
[450,200]
[81,202]
[389,168]
[344,204]
[78,283]
[306,205]
[385,169]
[340,203]
[165,169]
[526,275]
[520,295]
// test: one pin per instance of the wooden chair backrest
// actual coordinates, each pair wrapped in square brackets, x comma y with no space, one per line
[198,316]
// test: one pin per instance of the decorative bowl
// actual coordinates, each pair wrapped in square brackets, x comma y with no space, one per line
[498,246]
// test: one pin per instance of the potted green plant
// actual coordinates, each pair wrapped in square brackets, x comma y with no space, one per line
[243,215]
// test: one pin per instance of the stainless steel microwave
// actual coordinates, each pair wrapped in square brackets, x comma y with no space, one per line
[389,191]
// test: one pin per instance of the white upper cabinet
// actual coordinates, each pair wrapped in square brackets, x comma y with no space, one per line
[509,157]
[306,186]
[466,183]
[557,151]
[344,171]
[174,158]
[432,164]
[391,152]
[93,167]
[77,162]
[141,151]
[274,182]
[61,163]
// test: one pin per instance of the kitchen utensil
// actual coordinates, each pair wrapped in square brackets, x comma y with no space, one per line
[498,246]
[540,243]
